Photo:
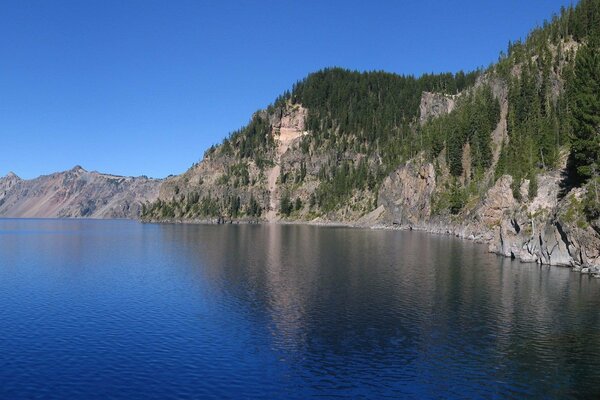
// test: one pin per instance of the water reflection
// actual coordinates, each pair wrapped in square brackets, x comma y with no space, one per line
[415,307]
[94,308]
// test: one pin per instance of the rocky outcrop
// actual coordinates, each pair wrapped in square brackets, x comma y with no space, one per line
[7,183]
[76,193]
[435,104]
[497,204]
[531,230]
[542,229]
[406,194]
[551,238]
[287,129]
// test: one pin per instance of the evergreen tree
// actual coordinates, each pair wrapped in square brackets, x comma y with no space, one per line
[285,205]
[585,103]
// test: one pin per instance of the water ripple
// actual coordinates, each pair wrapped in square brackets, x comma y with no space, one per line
[116,309]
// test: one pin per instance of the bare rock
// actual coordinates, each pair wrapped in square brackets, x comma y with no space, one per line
[498,202]
[76,193]
[406,193]
[435,104]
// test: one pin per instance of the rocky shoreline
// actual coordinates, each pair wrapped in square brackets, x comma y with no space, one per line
[526,255]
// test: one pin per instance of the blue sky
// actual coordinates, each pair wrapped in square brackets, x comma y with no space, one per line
[144,87]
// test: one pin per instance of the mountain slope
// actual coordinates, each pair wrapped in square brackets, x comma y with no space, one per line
[75,193]
[356,125]
[495,155]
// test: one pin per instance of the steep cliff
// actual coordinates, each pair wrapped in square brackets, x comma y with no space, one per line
[76,193]
[434,105]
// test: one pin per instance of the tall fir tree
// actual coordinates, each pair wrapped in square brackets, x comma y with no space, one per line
[585,103]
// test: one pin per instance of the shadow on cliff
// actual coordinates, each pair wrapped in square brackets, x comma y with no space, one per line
[570,179]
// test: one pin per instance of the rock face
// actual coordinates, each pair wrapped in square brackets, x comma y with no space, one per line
[435,104]
[406,194]
[7,183]
[288,128]
[497,203]
[75,193]
[550,235]
[543,229]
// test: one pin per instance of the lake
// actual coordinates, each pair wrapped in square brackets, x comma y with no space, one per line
[119,309]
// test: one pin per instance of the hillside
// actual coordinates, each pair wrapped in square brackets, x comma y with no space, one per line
[75,193]
[506,155]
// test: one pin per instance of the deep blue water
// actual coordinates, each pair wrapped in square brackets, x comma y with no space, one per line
[118,309]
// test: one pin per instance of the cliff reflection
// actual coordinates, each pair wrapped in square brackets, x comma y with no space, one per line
[404,300]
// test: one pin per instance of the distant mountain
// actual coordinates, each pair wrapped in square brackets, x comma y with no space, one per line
[508,155]
[76,193]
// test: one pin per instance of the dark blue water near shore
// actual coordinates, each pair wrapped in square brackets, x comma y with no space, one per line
[118,309]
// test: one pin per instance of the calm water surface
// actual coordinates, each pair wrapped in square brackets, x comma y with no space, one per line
[118,309]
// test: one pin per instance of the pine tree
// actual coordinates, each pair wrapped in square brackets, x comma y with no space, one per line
[585,103]
[285,205]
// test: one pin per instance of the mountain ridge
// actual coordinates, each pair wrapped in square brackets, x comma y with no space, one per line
[75,193]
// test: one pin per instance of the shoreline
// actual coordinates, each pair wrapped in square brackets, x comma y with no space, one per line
[439,228]
[435,229]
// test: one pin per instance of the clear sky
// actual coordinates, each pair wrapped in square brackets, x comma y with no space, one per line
[144,87]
